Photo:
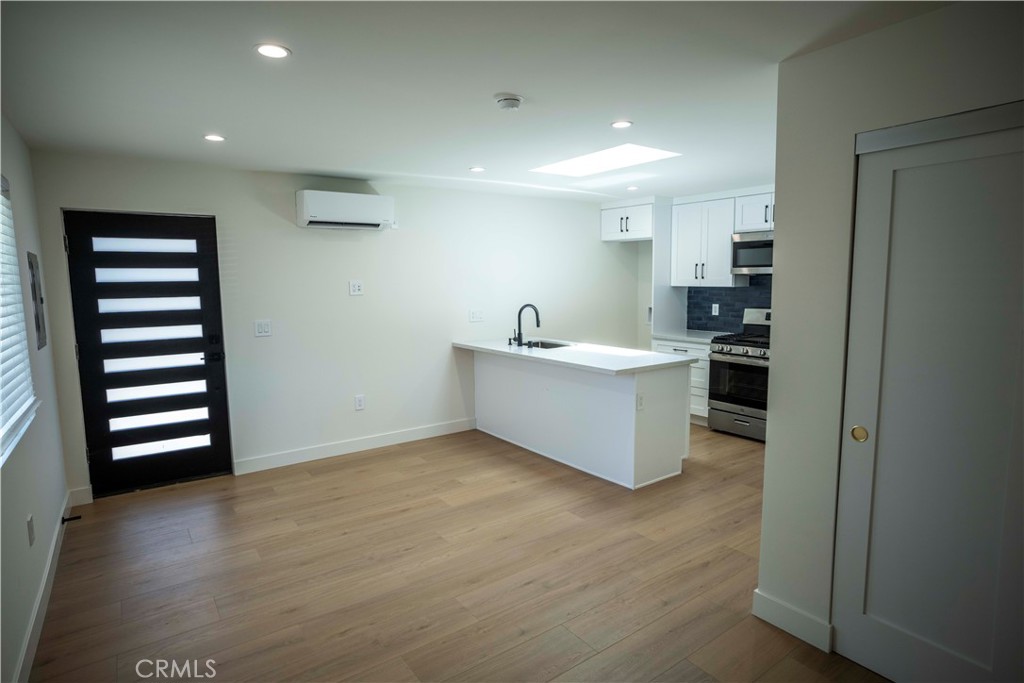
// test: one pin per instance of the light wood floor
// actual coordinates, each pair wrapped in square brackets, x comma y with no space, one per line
[457,558]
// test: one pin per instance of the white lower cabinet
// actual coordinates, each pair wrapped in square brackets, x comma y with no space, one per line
[698,371]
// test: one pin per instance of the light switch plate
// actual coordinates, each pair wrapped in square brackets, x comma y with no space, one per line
[714,309]
[261,328]
[355,287]
[476,315]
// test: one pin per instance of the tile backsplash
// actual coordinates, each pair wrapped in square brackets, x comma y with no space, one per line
[731,302]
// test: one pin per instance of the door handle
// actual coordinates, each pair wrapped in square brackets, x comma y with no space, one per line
[702,270]
[620,223]
[695,271]
[859,434]
[627,223]
[765,213]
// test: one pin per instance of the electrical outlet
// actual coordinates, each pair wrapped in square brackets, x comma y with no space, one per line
[355,287]
[714,309]
[641,402]
[261,328]
[31,531]
[476,315]
[360,402]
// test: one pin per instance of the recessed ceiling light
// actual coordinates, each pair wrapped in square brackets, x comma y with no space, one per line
[632,188]
[273,51]
[477,169]
[621,124]
[213,137]
[606,160]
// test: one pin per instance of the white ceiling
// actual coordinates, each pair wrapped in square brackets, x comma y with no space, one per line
[403,91]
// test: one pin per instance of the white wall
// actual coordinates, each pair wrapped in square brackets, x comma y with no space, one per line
[32,478]
[963,57]
[644,278]
[291,395]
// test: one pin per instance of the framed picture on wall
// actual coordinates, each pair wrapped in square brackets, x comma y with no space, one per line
[36,276]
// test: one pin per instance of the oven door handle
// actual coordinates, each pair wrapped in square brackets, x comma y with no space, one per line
[722,358]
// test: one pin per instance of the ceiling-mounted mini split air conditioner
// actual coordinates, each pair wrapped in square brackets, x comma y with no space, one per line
[344,210]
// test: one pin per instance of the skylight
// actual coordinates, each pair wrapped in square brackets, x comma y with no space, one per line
[606,160]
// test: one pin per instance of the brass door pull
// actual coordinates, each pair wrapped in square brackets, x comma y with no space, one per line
[859,434]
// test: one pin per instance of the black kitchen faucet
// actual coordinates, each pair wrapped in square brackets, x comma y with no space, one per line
[519,330]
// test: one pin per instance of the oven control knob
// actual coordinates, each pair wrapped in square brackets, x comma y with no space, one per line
[746,352]
[762,352]
[728,349]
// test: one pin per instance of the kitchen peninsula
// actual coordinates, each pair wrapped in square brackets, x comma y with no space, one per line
[619,414]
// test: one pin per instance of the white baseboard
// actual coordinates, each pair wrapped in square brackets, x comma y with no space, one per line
[82,496]
[329,450]
[804,626]
[23,667]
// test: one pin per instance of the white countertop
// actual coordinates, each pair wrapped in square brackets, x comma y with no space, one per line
[608,360]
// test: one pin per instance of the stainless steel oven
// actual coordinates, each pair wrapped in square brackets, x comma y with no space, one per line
[738,395]
[738,377]
[752,252]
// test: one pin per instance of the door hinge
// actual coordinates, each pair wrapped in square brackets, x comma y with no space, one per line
[67,249]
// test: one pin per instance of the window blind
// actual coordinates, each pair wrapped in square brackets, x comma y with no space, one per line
[17,398]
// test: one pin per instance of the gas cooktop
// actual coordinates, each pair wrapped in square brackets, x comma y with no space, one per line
[759,341]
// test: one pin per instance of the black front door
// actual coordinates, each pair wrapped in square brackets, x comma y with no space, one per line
[146,296]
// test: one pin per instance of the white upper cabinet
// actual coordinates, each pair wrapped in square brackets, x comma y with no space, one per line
[702,245]
[688,236]
[627,223]
[755,212]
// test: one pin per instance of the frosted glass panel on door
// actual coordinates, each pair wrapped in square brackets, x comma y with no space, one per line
[176,360]
[156,391]
[156,447]
[147,275]
[140,334]
[170,417]
[156,303]
[133,244]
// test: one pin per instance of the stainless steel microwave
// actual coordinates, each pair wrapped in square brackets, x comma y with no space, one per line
[752,252]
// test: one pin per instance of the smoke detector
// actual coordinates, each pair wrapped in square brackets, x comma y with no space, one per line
[508,102]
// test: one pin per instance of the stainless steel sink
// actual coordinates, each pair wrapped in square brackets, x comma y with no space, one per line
[542,344]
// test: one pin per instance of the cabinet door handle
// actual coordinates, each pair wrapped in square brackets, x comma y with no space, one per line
[765,213]
[620,223]
[702,270]
[627,223]
[695,271]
